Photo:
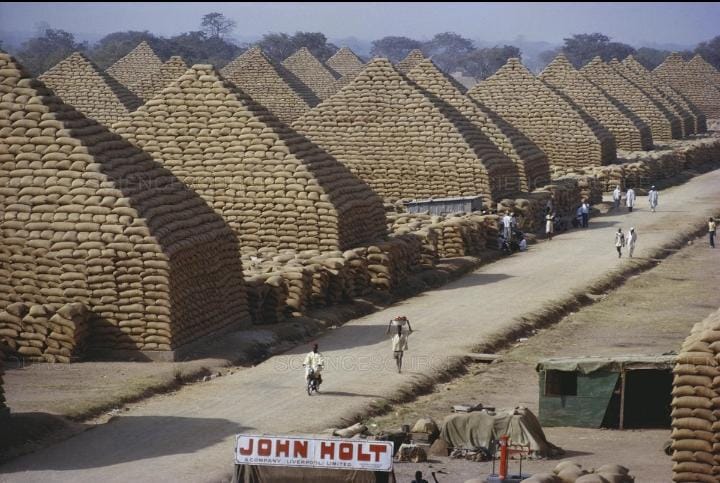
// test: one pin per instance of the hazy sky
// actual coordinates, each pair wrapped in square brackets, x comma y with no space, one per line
[682,23]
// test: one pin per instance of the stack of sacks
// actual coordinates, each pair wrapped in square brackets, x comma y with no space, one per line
[358,273]
[89,218]
[512,161]
[565,193]
[669,92]
[267,296]
[273,187]
[700,65]
[664,126]
[589,186]
[345,63]
[569,137]
[696,405]
[169,72]
[424,226]
[690,81]
[391,262]
[81,83]
[392,136]
[40,333]
[410,61]
[571,472]
[529,211]
[138,70]
[664,96]
[610,176]
[321,80]
[270,84]
[667,105]
[698,152]
[631,133]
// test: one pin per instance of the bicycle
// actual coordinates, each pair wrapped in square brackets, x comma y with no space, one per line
[313,382]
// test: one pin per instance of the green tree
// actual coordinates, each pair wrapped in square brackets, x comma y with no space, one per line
[198,48]
[710,51]
[482,63]
[582,48]
[394,48]
[117,45]
[40,53]
[650,57]
[215,25]
[447,49]
[280,46]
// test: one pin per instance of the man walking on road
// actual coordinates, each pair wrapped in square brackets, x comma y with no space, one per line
[712,228]
[619,241]
[630,199]
[585,213]
[507,225]
[617,196]
[631,239]
[653,199]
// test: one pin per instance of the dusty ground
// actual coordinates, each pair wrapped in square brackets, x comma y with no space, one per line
[651,314]
[188,435]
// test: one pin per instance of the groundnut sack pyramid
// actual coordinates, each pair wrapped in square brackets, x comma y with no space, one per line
[313,73]
[80,83]
[91,223]
[138,70]
[631,133]
[272,186]
[270,84]
[524,162]
[640,72]
[569,136]
[395,138]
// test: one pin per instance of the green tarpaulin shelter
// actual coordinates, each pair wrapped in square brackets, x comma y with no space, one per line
[615,392]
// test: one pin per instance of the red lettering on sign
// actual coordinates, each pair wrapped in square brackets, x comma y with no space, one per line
[346,451]
[247,451]
[300,449]
[282,447]
[378,449]
[327,450]
[264,447]
[362,456]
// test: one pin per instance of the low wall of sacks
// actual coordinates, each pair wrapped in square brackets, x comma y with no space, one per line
[40,333]
[696,405]
[285,283]
[641,169]
[566,194]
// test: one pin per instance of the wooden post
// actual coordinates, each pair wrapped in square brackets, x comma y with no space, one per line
[622,399]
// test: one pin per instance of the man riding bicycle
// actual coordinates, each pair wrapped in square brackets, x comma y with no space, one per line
[313,364]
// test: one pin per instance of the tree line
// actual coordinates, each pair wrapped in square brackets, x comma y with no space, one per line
[211,44]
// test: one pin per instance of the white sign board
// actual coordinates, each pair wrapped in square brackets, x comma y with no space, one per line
[344,454]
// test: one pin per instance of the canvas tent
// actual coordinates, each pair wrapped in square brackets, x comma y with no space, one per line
[279,474]
[615,392]
[480,429]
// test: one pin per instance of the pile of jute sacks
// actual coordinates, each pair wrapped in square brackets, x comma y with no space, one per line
[312,73]
[570,138]
[663,124]
[270,84]
[572,472]
[630,132]
[696,405]
[80,83]
[41,333]
[138,71]
[89,218]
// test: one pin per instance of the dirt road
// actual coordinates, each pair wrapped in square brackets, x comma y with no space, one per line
[188,436]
